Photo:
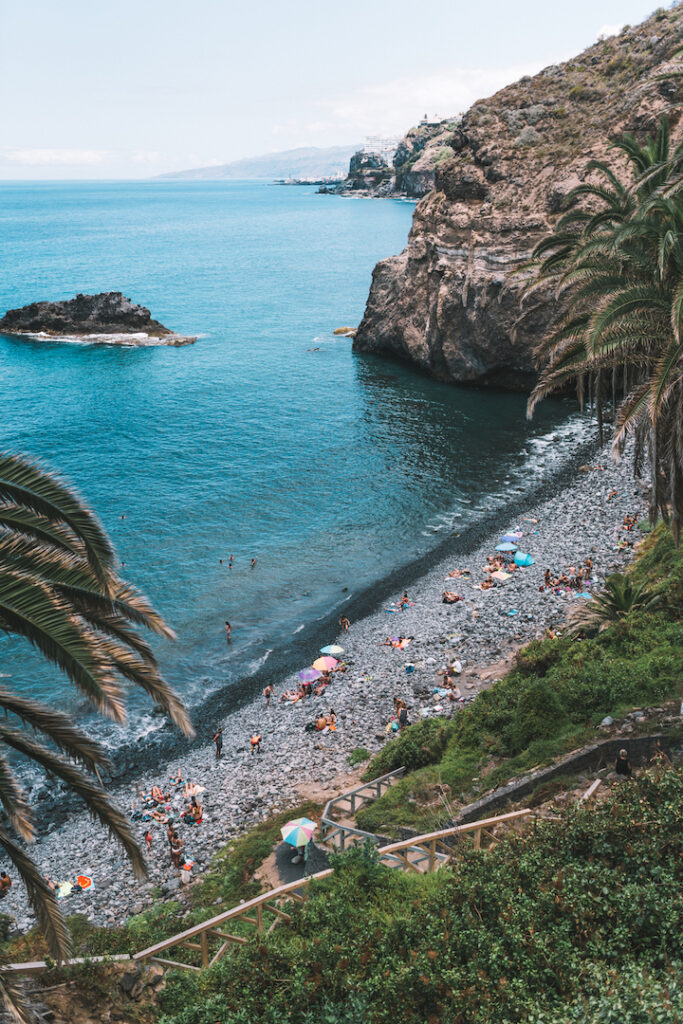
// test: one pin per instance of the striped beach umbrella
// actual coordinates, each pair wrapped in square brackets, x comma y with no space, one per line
[325,663]
[298,832]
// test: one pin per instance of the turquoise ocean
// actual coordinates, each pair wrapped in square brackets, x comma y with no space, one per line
[268,438]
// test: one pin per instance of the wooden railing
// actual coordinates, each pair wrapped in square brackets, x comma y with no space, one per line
[338,835]
[420,854]
[210,940]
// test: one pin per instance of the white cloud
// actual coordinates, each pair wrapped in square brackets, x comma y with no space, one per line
[390,108]
[46,157]
[609,30]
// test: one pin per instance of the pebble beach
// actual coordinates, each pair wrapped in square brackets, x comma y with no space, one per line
[582,520]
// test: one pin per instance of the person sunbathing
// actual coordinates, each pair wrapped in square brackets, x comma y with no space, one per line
[320,689]
[291,696]
[158,797]
[191,789]
[158,815]
[177,779]
[450,597]
[487,584]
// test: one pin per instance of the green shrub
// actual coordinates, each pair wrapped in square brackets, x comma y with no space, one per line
[539,713]
[569,924]
[418,745]
[358,755]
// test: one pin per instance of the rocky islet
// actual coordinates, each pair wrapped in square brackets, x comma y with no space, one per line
[105,318]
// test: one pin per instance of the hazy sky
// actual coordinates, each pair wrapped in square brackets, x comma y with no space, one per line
[131,88]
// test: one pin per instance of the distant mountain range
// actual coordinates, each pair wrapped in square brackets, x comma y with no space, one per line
[305,162]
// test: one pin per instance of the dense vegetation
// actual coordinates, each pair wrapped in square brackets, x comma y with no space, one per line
[570,923]
[551,702]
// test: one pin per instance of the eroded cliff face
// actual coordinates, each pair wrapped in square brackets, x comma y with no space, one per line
[450,301]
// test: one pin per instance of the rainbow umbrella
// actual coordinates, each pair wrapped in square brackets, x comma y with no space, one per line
[84,881]
[325,663]
[298,832]
[334,649]
[309,675]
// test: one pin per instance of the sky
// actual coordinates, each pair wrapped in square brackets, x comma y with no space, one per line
[134,88]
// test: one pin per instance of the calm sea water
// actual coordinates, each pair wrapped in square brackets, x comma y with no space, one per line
[268,438]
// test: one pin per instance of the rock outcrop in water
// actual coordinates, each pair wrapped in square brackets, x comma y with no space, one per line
[448,303]
[413,171]
[107,317]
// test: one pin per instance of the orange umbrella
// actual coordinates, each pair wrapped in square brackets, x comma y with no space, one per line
[325,664]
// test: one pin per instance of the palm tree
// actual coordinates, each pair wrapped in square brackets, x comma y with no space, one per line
[60,591]
[619,597]
[616,266]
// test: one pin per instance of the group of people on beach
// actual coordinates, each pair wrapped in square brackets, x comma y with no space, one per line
[571,579]
[179,803]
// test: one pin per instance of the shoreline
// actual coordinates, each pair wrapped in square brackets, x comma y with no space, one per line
[164,744]
[574,522]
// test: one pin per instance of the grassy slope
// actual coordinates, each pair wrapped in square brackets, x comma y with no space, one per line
[576,922]
[550,703]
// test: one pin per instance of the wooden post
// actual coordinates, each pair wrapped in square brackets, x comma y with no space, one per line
[205,949]
[259,918]
[432,854]
[477,839]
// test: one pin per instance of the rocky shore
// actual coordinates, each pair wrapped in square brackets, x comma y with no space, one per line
[449,304]
[584,519]
[108,318]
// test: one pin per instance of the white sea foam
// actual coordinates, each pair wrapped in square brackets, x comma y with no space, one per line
[130,340]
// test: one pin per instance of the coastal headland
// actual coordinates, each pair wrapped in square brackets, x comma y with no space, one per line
[108,318]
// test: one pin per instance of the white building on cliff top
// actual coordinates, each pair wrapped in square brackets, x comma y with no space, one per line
[382,145]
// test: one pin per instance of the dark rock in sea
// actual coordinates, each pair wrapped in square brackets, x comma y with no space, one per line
[108,317]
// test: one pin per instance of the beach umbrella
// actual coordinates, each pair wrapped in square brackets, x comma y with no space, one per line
[507,546]
[298,832]
[84,881]
[309,675]
[510,538]
[333,649]
[325,663]
[523,559]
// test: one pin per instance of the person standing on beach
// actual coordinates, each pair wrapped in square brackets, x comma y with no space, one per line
[256,743]
[148,840]
[218,740]
[268,693]
[345,624]
[176,849]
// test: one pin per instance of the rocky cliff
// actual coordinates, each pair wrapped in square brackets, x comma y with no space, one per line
[448,302]
[106,316]
[412,173]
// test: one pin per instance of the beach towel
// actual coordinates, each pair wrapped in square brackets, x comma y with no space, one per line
[500,575]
